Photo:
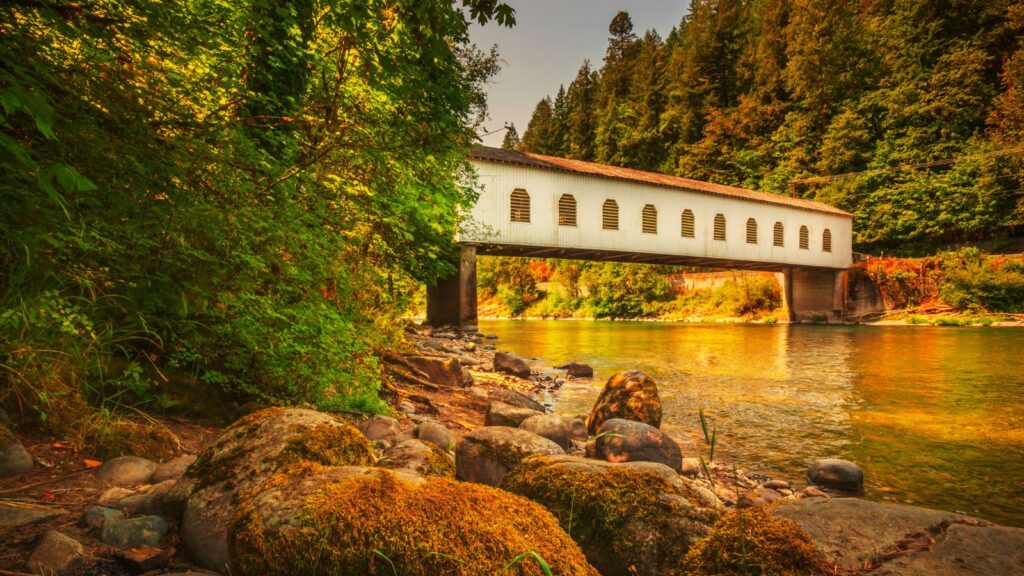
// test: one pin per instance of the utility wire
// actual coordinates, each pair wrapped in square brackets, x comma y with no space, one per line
[904,167]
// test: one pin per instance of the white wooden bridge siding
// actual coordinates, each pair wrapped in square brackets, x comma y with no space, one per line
[494,226]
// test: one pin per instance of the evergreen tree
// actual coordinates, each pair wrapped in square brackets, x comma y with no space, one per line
[582,108]
[511,139]
[542,131]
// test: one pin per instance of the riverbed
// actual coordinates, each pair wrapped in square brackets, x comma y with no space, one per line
[934,415]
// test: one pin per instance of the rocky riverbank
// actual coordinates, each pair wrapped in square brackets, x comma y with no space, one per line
[472,474]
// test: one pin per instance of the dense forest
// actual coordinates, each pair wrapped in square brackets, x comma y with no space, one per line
[777,94]
[224,199]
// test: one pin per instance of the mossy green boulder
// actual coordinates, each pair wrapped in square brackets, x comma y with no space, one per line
[363,521]
[634,518]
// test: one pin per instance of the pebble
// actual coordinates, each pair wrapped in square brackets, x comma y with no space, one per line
[691,467]
[776,484]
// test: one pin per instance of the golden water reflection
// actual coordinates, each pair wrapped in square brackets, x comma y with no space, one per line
[934,415]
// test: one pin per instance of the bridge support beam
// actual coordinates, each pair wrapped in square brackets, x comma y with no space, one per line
[810,295]
[452,301]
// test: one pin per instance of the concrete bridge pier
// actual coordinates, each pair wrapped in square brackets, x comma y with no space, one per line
[452,300]
[810,294]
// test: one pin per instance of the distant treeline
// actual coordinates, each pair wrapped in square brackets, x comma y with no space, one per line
[761,93]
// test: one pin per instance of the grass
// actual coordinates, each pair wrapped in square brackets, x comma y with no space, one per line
[528,554]
[950,320]
[711,438]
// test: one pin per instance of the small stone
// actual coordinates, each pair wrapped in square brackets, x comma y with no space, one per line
[776,484]
[836,474]
[406,407]
[511,364]
[56,554]
[114,495]
[97,516]
[418,457]
[141,531]
[501,414]
[172,469]
[812,492]
[578,370]
[380,428]
[550,426]
[14,459]
[436,433]
[691,467]
[513,398]
[126,471]
[143,558]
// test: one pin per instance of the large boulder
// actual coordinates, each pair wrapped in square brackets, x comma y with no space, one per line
[632,518]
[485,455]
[556,428]
[899,540]
[245,456]
[630,395]
[514,398]
[418,457]
[352,521]
[14,459]
[621,440]
[443,371]
[501,414]
[836,474]
[509,363]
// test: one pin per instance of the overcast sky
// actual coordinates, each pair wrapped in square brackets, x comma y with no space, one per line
[548,44]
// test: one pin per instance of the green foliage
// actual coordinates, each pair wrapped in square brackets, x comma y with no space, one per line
[975,284]
[230,193]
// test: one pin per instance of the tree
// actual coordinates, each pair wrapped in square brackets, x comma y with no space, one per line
[582,108]
[541,134]
[511,139]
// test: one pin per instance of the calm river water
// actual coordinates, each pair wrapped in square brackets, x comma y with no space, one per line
[934,415]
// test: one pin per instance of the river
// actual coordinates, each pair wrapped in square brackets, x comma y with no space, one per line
[934,415]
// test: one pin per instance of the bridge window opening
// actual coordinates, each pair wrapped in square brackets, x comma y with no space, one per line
[805,235]
[719,227]
[610,215]
[751,231]
[650,219]
[826,240]
[687,224]
[779,235]
[520,205]
[567,210]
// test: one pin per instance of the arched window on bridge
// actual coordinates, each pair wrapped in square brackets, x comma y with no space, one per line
[520,202]
[610,215]
[567,210]
[779,235]
[719,227]
[650,220]
[687,224]
[805,238]
[751,231]
[826,240]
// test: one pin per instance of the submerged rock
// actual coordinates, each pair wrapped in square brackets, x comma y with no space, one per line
[485,455]
[501,414]
[577,370]
[621,440]
[836,474]
[630,395]
[509,363]
[246,455]
[14,459]
[631,518]
[352,521]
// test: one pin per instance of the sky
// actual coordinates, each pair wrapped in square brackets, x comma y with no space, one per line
[548,44]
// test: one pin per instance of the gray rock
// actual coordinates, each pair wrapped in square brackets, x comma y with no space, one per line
[485,455]
[126,471]
[141,531]
[14,459]
[112,496]
[501,414]
[513,398]
[631,395]
[418,457]
[906,540]
[621,440]
[442,371]
[435,433]
[56,554]
[691,467]
[836,474]
[380,428]
[509,363]
[172,469]
[551,426]
[145,501]
[97,516]
[18,515]
[578,370]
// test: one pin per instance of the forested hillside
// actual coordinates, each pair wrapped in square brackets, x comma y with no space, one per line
[224,198]
[763,93]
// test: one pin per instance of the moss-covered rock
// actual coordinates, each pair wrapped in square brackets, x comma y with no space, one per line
[365,521]
[246,455]
[754,541]
[632,518]
[114,437]
[631,395]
